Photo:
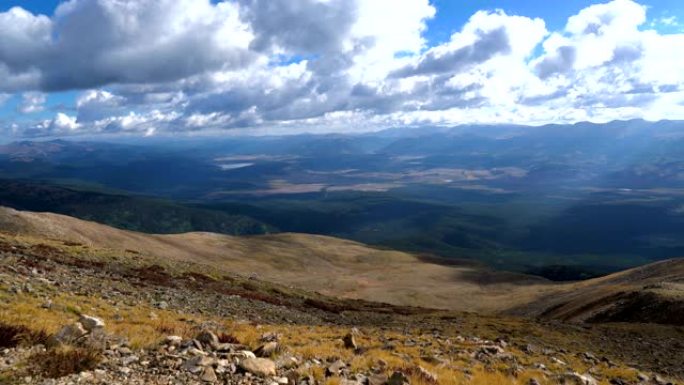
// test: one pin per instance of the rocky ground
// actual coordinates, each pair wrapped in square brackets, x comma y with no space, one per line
[76,315]
[204,359]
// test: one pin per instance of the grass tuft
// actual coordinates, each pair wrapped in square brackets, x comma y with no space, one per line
[225,338]
[14,335]
[63,361]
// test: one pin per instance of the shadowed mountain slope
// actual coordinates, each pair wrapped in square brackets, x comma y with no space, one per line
[328,265]
[652,293]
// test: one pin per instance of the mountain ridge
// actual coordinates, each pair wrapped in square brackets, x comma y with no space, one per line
[320,263]
[349,269]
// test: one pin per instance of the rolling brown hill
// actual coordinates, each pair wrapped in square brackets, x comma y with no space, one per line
[324,264]
[651,293]
[346,269]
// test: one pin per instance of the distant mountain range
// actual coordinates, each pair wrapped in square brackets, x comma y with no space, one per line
[562,201]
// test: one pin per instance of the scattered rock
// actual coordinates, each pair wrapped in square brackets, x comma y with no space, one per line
[195,364]
[530,349]
[660,381]
[434,360]
[491,350]
[125,351]
[126,361]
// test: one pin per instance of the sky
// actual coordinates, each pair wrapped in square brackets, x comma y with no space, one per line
[151,67]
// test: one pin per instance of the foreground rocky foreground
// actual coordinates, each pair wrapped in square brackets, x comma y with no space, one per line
[70,314]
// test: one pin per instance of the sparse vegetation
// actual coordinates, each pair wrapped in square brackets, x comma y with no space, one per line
[226,338]
[14,335]
[63,361]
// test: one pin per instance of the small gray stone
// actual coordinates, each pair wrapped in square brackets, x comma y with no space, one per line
[208,375]
[335,368]
[126,361]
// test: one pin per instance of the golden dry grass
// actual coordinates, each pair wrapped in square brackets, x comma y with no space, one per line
[322,342]
[136,323]
[65,360]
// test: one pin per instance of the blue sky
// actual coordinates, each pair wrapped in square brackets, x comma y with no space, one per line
[56,101]
[491,73]
[452,14]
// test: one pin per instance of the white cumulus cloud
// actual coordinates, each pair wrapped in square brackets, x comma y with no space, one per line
[32,102]
[145,67]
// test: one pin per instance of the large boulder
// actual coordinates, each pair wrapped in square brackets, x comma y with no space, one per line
[266,350]
[195,364]
[173,341]
[67,335]
[208,375]
[426,375]
[259,366]
[335,368]
[573,378]
[377,379]
[208,339]
[91,323]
